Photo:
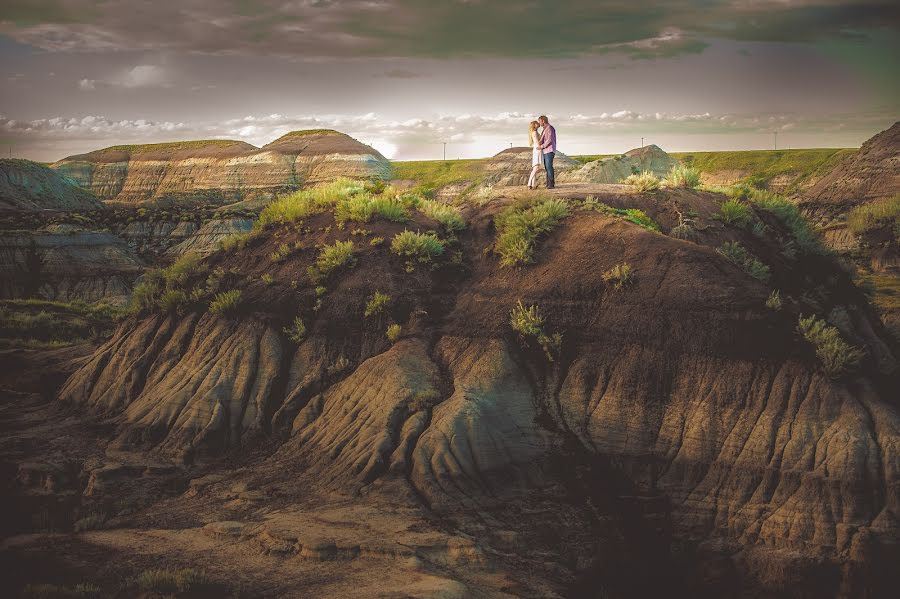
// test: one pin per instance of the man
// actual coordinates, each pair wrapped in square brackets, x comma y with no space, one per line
[548,146]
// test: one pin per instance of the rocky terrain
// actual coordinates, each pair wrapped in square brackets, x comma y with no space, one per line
[221,171]
[27,185]
[616,169]
[660,427]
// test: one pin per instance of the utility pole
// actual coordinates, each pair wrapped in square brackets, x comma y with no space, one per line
[642,142]
[776,138]
[445,151]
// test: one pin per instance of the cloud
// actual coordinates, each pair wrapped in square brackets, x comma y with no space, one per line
[400,74]
[87,84]
[412,28]
[140,76]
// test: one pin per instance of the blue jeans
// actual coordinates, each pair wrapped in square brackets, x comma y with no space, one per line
[548,166]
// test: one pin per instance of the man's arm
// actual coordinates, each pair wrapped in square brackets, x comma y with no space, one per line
[545,138]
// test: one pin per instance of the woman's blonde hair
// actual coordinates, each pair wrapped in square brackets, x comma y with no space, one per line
[532,127]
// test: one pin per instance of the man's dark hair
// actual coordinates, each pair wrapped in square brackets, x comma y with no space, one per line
[543,118]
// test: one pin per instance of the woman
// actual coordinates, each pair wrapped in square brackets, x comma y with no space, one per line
[537,158]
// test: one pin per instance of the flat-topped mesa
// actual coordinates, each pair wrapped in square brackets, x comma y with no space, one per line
[27,185]
[222,171]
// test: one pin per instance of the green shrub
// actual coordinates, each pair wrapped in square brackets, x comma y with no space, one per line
[645,181]
[837,356]
[281,252]
[172,301]
[774,301]
[267,279]
[737,254]
[225,302]
[377,303]
[632,215]
[146,292]
[528,323]
[332,257]
[297,331]
[393,332]
[445,214]
[236,241]
[363,207]
[519,229]
[683,176]
[423,246]
[376,241]
[804,236]
[184,580]
[179,271]
[734,212]
[620,275]
[875,214]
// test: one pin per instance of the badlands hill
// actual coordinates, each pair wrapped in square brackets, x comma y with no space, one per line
[616,169]
[27,185]
[871,174]
[588,396]
[222,171]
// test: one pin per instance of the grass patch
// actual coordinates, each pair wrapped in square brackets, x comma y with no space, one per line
[41,322]
[518,229]
[393,333]
[874,215]
[430,175]
[837,356]
[281,252]
[645,181]
[363,207]
[528,322]
[735,212]
[55,591]
[448,216]
[684,176]
[183,580]
[333,257]
[620,275]
[226,302]
[739,255]
[423,247]
[774,301]
[297,331]
[377,304]
[301,204]
[632,215]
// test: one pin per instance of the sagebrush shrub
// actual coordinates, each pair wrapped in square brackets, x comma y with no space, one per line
[528,322]
[519,229]
[445,214]
[683,176]
[422,246]
[734,212]
[393,332]
[837,356]
[225,302]
[297,331]
[332,257]
[620,275]
[737,254]
[645,181]
[377,303]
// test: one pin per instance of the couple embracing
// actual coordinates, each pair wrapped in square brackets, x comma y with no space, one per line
[543,149]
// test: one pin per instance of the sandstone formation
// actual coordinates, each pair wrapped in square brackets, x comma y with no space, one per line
[680,398]
[221,171]
[872,173]
[513,166]
[617,168]
[65,262]
[27,185]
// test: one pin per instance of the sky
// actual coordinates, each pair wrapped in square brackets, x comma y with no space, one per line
[408,75]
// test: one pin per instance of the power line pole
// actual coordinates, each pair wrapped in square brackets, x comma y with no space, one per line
[445,151]
[642,142]
[776,138]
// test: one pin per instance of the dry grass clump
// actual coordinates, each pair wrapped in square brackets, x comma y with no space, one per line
[774,300]
[332,257]
[837,356]
[225,302]
[393,332]
[645,181]
[421,247]
[297,331]
[163,289]
[620,275]
[184,580]
[737,254]
[518,229]
[873,215]
[364,207]
[528,322]
[301,204]
[445,214]
[377,303]
[735,212]
[682,175]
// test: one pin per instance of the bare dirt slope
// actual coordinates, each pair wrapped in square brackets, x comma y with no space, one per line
[682,437]
[872,173]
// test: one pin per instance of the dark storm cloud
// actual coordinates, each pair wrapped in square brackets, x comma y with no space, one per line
[425,28]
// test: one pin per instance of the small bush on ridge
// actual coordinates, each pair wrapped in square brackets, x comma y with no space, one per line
[837,356]
[737,254]
[683,176]
[734,212]
[519,229]
[377,303]
[393,332]
[528,322]
[645,181]
[225,302]
[297,331]
[620,275]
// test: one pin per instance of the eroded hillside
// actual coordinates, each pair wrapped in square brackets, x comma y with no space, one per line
[539,396]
